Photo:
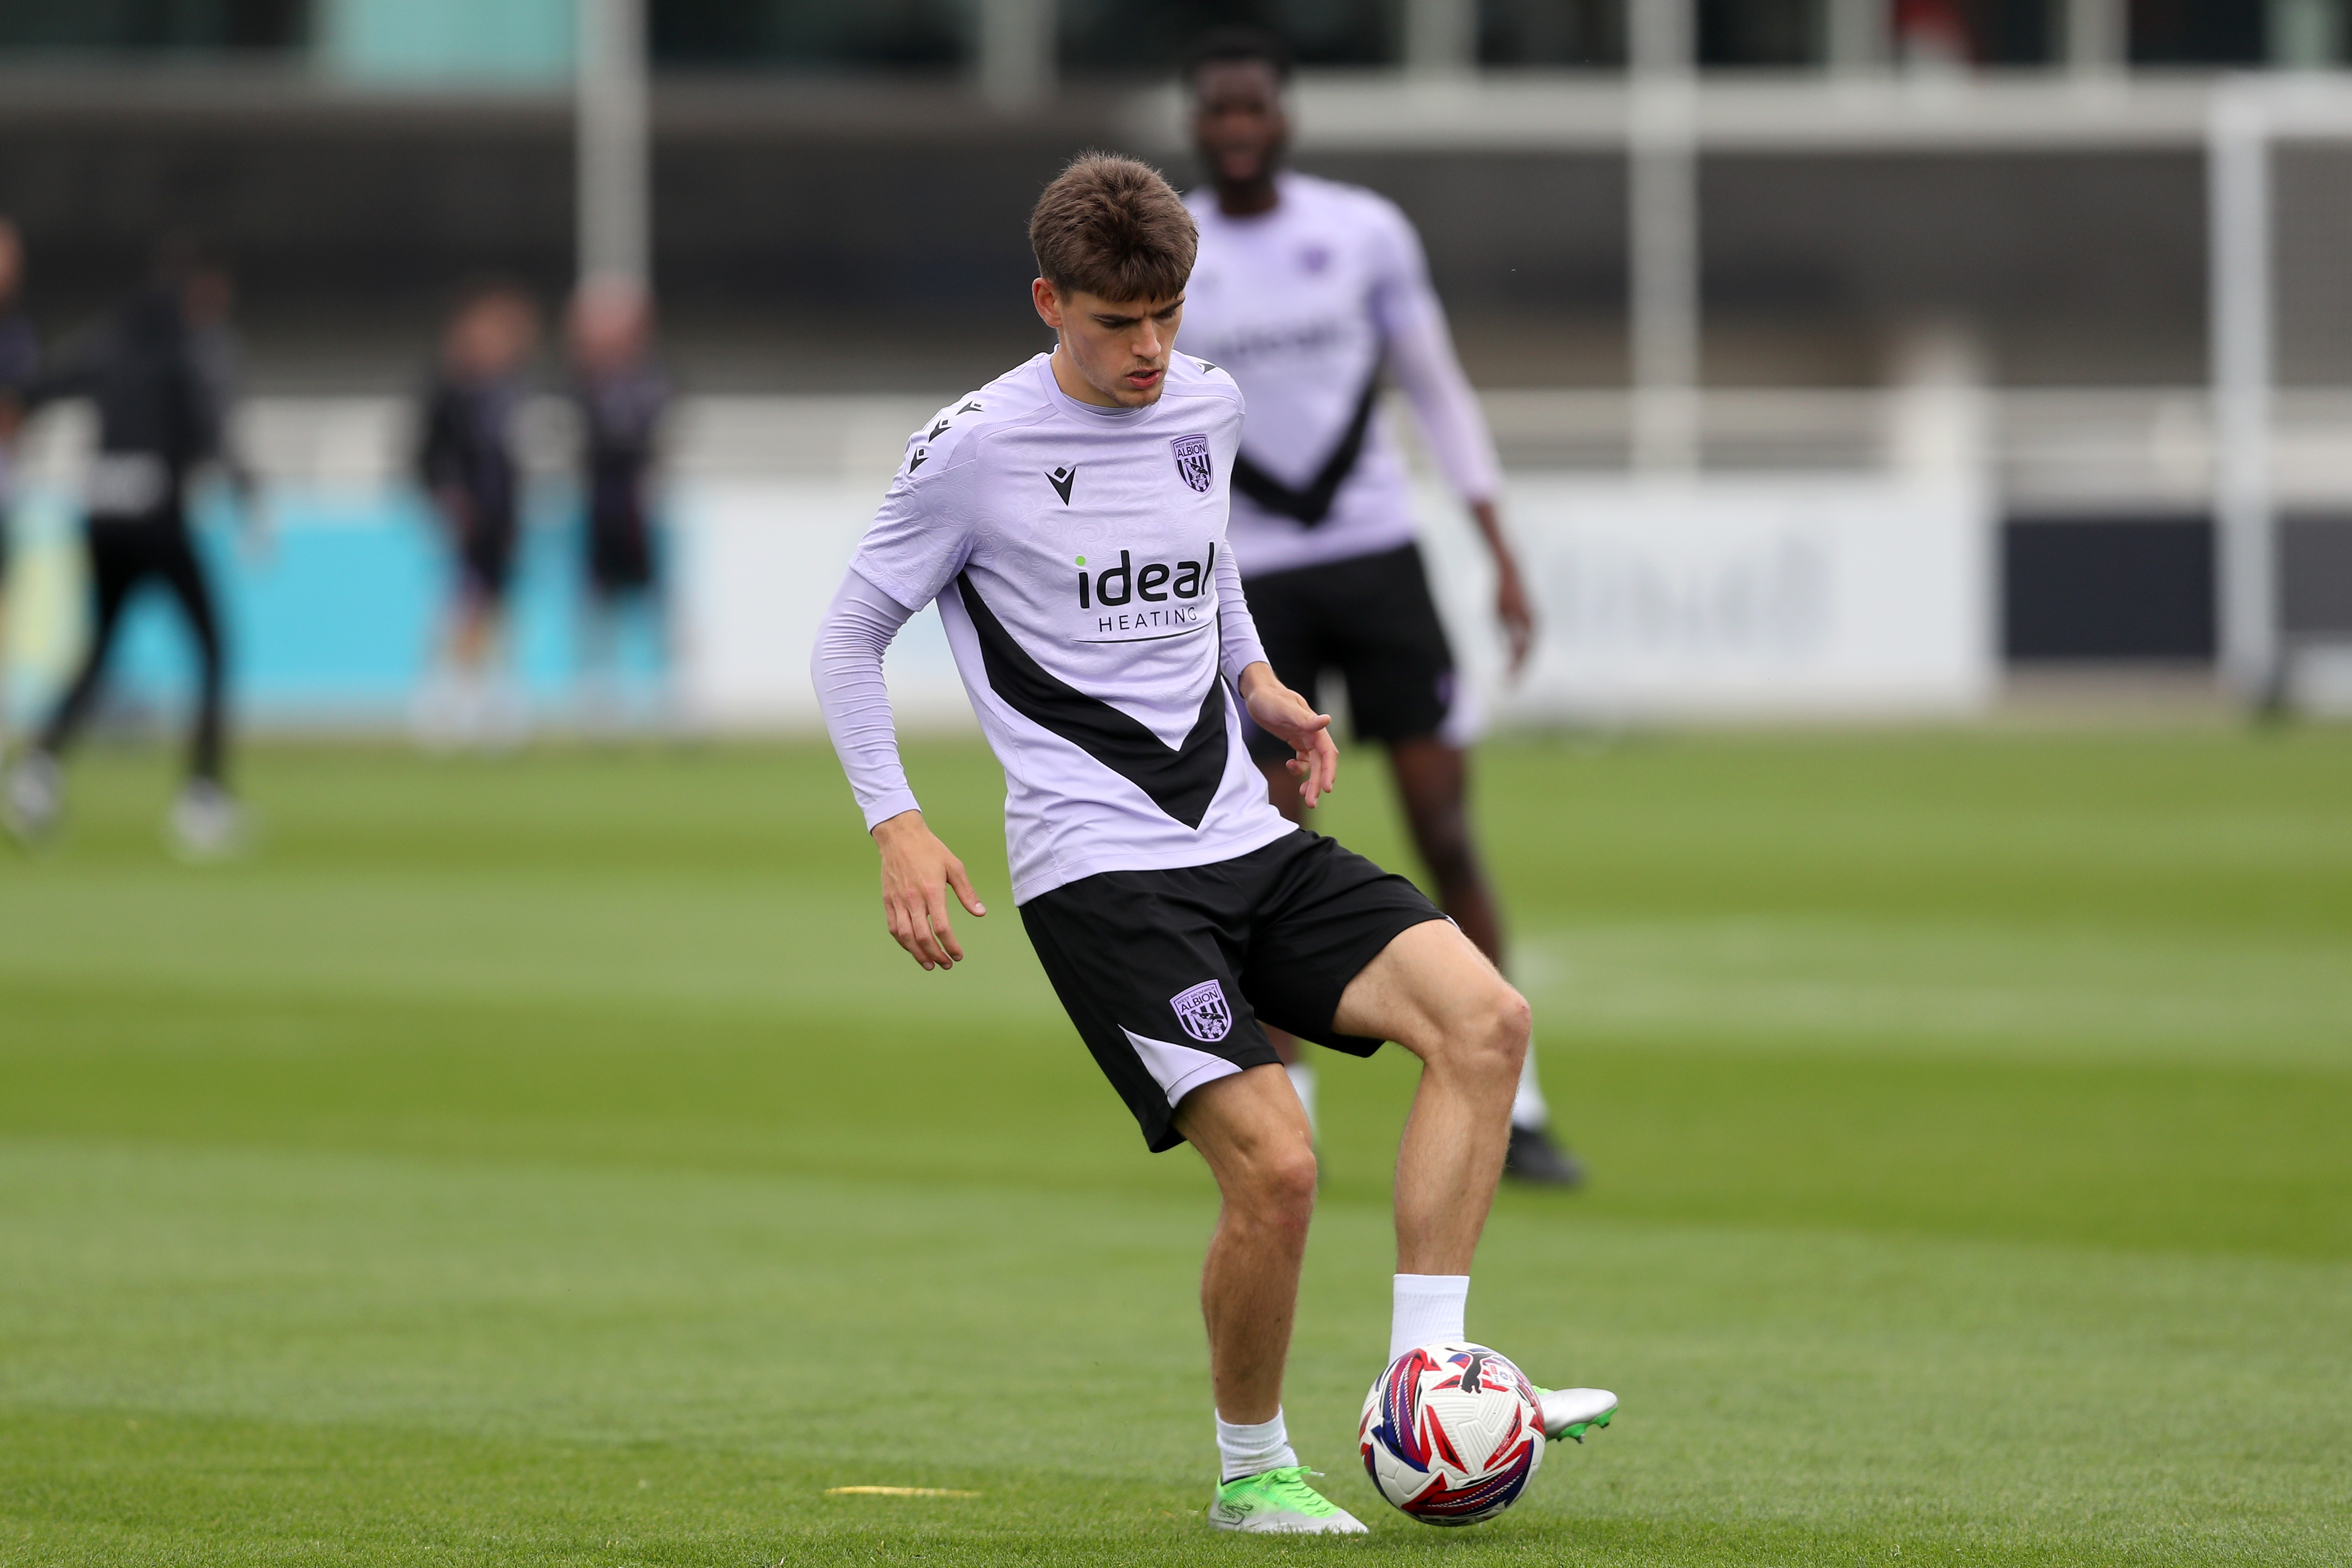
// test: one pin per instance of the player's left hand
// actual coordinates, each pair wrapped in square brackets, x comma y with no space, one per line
[1511,606]
[1283,713]
[1517,615]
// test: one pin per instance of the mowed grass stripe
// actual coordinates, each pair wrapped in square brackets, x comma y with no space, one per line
[1944,989]
[1859,1380]
[506,1134]
[2157,1155]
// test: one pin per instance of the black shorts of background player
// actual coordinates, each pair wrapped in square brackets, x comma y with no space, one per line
[621,397]
[1357,600]
[466,463]
[159,417]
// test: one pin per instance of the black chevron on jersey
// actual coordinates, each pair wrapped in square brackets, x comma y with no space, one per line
[1181,782]
[1313,504]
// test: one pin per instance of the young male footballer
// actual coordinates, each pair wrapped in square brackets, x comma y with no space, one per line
[1069,521]
[1310,293]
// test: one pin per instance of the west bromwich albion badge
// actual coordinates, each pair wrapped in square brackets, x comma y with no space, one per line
[1193,462]
[1202,1010]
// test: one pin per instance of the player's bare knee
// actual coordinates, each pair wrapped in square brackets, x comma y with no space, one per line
[1494,1037]
[1290,1182]
[1265,1171]
[1275,1193]
[1479,1040]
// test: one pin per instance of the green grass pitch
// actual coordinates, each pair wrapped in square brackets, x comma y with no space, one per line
[549,1159]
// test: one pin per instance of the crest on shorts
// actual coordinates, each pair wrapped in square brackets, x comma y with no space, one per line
[1192,463]
[1202,1011]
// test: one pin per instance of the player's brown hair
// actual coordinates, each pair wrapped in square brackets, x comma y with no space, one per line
[1114,229]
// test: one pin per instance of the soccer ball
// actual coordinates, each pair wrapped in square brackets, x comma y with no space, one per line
[1451,1433]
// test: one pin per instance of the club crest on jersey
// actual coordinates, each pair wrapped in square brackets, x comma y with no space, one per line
[1193,465]
[1202,1011]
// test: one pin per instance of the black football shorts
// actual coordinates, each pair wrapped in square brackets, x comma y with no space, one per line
[1374,620]
[1168,973]
[486,556]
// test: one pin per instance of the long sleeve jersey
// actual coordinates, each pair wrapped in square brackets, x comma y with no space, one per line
[1079,559]
[156,416]
[1308,305]
[466,446]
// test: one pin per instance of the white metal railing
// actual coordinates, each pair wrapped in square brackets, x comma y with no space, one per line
[2081,451]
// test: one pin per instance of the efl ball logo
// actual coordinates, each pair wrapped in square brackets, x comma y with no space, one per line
[1451,1433]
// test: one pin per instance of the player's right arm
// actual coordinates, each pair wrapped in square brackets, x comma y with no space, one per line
[917,542]
[1420,350]
[918,871]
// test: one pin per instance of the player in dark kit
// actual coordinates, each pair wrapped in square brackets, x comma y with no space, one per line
[158,419]
[621,395]
[466,462]
[1311,293]
[1068,519]
[20,359]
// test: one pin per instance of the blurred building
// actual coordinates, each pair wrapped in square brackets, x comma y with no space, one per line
[838,191]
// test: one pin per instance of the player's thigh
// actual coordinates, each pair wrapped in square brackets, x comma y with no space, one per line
[1433,992]
[1143,964]
[1324,914]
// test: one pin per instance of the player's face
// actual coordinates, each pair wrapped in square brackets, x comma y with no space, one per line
[493,336]
[1237,121]
[610,323]
[1117,351]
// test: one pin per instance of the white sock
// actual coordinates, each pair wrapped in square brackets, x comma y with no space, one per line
[1302,1079]
[1527,1107]
[1428,1308]
[1249,1450]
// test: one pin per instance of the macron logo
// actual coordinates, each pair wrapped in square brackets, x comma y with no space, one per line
[1062,479]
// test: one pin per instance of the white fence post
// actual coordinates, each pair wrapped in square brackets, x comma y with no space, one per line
[1018,40]
[614,205]
[2239,211]
[1663,222]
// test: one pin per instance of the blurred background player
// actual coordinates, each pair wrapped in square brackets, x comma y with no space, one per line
[159,419]
[1308,292]
[209,298]
[622,396]
[19,360]
[466,461]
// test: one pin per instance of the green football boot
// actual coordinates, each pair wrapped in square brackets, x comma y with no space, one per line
[1570,1412]
[1281,1502]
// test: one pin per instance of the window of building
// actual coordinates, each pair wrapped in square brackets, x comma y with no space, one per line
[1149,36]
[1551,32]
[1759,32]
[153,26]
[756,33]
[2200,32]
